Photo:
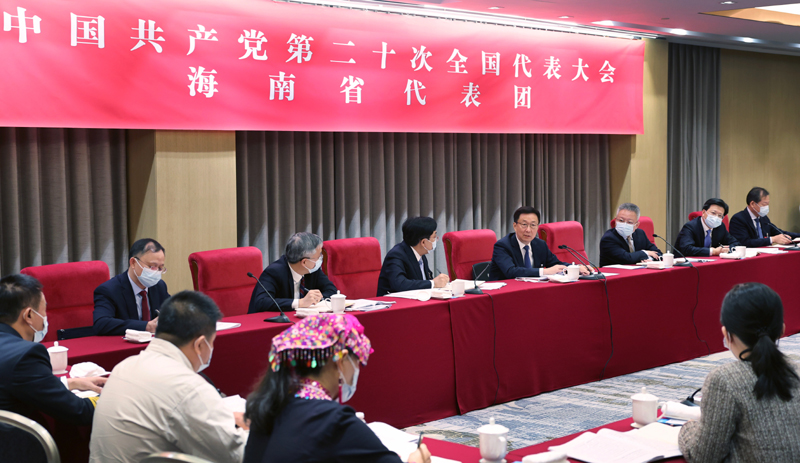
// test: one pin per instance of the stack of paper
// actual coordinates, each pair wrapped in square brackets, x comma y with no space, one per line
[653,442]
[227,325]
[400,442]
[418,294]
[138,336]
[366,305]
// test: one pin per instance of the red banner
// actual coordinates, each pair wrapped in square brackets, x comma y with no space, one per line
[259,65]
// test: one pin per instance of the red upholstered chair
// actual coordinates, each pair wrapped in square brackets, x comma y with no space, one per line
[463,249]
[222,275]
[69,291]
[645,223]
[696,214]
[558,233]
[353,265]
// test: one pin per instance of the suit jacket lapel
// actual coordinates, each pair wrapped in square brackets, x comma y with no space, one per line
[412,260]
[519,260]
[128,296]
[289,288]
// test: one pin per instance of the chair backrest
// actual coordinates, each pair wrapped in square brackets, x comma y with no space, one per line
[222,275]
[696,214]
[479,270]
[558,233]
[353,265]
[69,290]
[36,430]
[463,249]
[173,457]
[645,224]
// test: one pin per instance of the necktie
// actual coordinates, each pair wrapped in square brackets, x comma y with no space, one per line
[758,228]
[707,241]
[527,257]
[145,306]
[630,244]
[422,269]
[301,288]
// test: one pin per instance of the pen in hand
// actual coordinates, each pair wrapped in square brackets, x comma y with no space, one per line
[419,441]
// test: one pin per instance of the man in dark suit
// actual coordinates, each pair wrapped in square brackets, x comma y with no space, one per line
[625,243]
[27,383]
[131,300]
[295,279]
[752,227]
[406,265]
[706,235]
[522,254]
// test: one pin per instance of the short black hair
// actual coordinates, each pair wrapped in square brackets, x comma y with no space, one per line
[143,246]
[756,194]
[187,315]
[716,202]
[17,292]
[417,229]
[527,210]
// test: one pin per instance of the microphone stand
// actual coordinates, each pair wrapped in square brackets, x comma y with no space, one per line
[475,289]
[282,318]
[679,264]
[790,248]
[595,276]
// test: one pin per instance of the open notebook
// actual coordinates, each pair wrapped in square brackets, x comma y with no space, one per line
[653,442]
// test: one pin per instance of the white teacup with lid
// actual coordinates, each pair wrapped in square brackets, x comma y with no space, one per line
[338,302]
[573,272]
[58,358]
[493,442]
[645,408]
[669,259]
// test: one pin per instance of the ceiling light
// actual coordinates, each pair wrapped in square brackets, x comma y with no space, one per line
[679,31]
[495,7]
[564,17]
[748,39]
[728,2]
[605,22]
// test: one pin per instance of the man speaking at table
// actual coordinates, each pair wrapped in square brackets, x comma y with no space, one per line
[156,402]
[625,243]
[752,227]
[522,254]
[405,267]
[295,279]
[706,235]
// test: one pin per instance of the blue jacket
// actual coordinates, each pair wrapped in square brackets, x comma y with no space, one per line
[28,386]
[277,278]
[508,263]
[401,272]
[691,238]
[115,306]
[614,248]
[744,230]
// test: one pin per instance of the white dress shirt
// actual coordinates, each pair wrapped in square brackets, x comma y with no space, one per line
[155,402]
[706,228]
[138,297]
[419,258]
[530,252]
[753,218]
[296,277]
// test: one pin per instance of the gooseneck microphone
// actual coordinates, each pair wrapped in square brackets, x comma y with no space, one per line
[790,248]
[584,260]
[475,289]
[282,318]
[686,263]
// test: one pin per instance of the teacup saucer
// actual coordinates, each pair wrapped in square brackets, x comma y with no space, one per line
[636,425]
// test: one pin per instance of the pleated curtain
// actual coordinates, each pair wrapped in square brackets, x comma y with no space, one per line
[343,185]
[63,197]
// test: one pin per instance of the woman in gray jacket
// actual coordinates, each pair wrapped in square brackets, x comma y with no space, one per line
[751,407]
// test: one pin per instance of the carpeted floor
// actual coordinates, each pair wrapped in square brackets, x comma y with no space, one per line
[567,411]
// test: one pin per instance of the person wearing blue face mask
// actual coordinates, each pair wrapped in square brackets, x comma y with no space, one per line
[625,243]
[752,227]
[27,383]
[296,279]
[406,267]
[706,235]
[156,402]
[131,300]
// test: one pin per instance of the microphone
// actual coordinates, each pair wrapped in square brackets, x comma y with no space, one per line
[475,289]
[680,264]
[790,248]
[282,318]
[595,276]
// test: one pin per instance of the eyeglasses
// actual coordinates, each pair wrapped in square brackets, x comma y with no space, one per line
[154,268]
[624,221]
[526,226]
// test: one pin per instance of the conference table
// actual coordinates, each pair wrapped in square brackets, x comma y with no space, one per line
[439,358]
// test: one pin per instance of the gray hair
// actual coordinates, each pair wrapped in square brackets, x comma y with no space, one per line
[302,245]
[629,207]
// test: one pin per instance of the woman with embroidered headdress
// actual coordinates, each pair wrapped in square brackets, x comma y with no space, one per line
[294,415]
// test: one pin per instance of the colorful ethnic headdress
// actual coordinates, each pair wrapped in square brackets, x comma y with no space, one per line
[318,338]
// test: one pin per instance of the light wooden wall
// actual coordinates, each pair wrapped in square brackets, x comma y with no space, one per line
[182,192]
[760,132]
[639,162]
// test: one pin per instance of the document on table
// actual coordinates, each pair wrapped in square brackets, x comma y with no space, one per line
[769,251]
[367,305]
[227,325]
[416,294]
[624,267]
[400,442]
[653,442]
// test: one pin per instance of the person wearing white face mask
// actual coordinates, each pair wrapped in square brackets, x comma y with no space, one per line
[156,402]
[405,266]
[625,243]
[131,300]
[296,279]
[752,227]
[706,235]
[27,383]
[296,412]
